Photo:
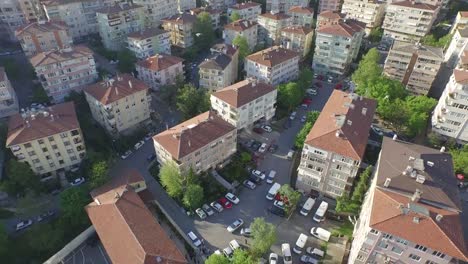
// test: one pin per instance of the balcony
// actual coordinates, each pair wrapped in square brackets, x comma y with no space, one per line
[310,173]
[77,140]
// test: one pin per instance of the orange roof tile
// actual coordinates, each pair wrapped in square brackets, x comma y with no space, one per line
[243,92]
[241,25]
[273,56]
[125,177]
[414,4]
[276,16]
[108,92]
[181,19]
[297,30]
[463,13]
[342,28]
[56,56]
[240,6]
[37,27]
[301,10]
[461,76]
[159,62]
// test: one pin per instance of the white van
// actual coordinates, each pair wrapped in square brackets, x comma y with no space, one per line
[273,191]
[271,177]
[320,233]
[307,206]
[287,258]
[320,213]
[234,244]
[290,154]
[300,243]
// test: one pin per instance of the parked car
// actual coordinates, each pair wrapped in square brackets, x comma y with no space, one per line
[320,233]
[290,154]
[258,130]
[308,259]
[292,116]
[235,225]
[218,207]
[272,148]
[232,198]
[286,250]
[148,137]
[263,148]
[139,144]
[258,174]
[277,211]
[273,259]
[315,252]
[255,146]
[77,181]
[463,185]
[255,179]
[249,143]
[279,204]
[246,231]
[208,210]
[200,213]
[151,157]
[228,252]
[330,79]
[249,184]
[126,154]
[23,224]
[377,130]
[267,128]
[196,242]
[225,203]
[271,177]
[303,119]
[234,244]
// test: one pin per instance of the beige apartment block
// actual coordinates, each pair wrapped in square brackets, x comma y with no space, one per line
[329,5]
[416,66]
[80,15]
[49,139]
[160,70]
[149,42]
[408,21]
[117,21]
[244,103]
[181,29]
[157,10]
[43,36]
[8,99]
[244,28]
[335,146]
[120,105]
[461,21]
[412,211]
[328,18]
[274,65]
[297,38]
[284,5]
[301,16]
[220,4]
[15,14]
[248,10]
[457,46]
[269,27]
[202,143]
[215,15]
[185,5]
[220,68]
[63,71]
[337,45]
[369,12]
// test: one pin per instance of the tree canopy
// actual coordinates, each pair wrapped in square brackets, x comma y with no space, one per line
[352,204]
[289,95]
[192,101]
[367,71]
[460,160]
[264,236]
[193,196]
[310,121]
[99,174]
[217,259]
[171,179]
[72,204]
[20,178]
[243,45]
[290,198]
[242,257]
[234,16]
[203,32]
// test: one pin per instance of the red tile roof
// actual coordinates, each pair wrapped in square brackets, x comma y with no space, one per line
[329,14]
[38,27]
[301,10]
[273,56]
[461,76]
[41,123]
[193,134]
[414,4]
[342,28]
[125,177]
[129,232]
[276,16]
[224,48]
[246,5]
[344,114]
[54,56]
[463,13]
[243,92]
[181,19]
[297,30]
[108,92]
[159,62]
[241,25]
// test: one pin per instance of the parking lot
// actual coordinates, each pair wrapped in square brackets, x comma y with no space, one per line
[88,254]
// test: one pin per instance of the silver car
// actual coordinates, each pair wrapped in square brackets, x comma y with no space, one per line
[208,210]
[234,226]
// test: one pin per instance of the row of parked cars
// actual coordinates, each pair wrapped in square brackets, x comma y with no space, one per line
[137,146]
[28,222]
[217,206]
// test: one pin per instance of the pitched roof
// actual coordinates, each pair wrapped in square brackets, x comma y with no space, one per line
[343,28]
[344,115]
[147,33]
[117,8]
[414,4]
[273,56]
[208,9]
[243,92]
[246,5]
[218,61]
[240,25]
[463,13]
[301,10]
[113,90]
[41,123]
[128,230]
[421,50]
[227,49]
[159,62]
[181,19]
[193,134]
[275,16]
[123,178]
[297,30]
[461,76]
[330,14]
[56,56]
[39,27]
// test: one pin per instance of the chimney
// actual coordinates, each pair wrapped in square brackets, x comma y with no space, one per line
[337,133]
[439,217]
[416,220]
[416,196]
[442,149]
[387,182]
[364,111]
[96,200]
[395,137]
[130,84]
[52,118]
[27,124]
[117,195]
[116,91]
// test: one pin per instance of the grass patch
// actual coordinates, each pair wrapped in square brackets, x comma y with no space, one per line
[236,169]
[5,213]
[212,189]
[345,229]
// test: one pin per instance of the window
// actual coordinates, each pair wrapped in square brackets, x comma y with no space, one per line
[401,241]
[75,132]
[35,160]
[382,244]
[48,157]
[387,236]
[397,250]
[54,147]
[31,153]
[375,232]
[51,139]
[69,151]
[430,262]
[421,248]
[40,141]
[73,158]
[66,143]
[44,150]
[27,145]
[40,168]
[438,254]
[61,162]
[58,154]
[414,257]
[64,135]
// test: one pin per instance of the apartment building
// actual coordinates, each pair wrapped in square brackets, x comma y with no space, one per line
[334,148]
[132,235]
[157,10]
[119,105]
[8,99]
[219,4]
[43,36]
[411,213]
[457,46]
[117,21]
[80,16]
[369,12]
[270,25]
[328,18]
[220,68]
[181,29]
[336,46]
[15,14]
[215,15]
[461,21]
[408,21]
[274,65]
[298,39]
[244,28]
[49,139]
[416,66]
[450,117]
[185,5]
[284,5]
[248,10]
[201,143]
[149,42]
[329,5]
[301,16]
[159,70]
[244,103]
[66,70]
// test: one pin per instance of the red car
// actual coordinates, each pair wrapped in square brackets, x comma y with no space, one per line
[318,85]
[258,130]
[320,77]
[339,86]
[225,203]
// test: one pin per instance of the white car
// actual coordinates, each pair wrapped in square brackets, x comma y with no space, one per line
[208,210]
[308,259]
[249,184]
[303,119]
[263,148]
[267,128]
[232,198]
[139,144]
[23,224]
[215,205]
[126,154]
[330,79]
[228,252]
[196,242]
[279,204]
[234,244]
[273,259]
[292,116]
[246,231]
[234,226]
[286,250]
[258,174]
[200,213]
[77,181]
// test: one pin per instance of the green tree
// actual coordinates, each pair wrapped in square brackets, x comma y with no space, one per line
[263,235]
[40,95]
[434,139]
[234,16]
[246,157]
[169,92]
[419,108]
[171,179]
[460,160]
[289,95]
[31,204]
[306,76]
[192,101]
[394,113]
[4,241]
[99,174]
[375,35]
[203,32]
[243,45]
[383,88]
[193,196]
[20,178]
[241,256]
[290,198]
[44,238]
[72,203]
[126,61]
[434,41]
[367,71]
[217,259]
[310,121]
